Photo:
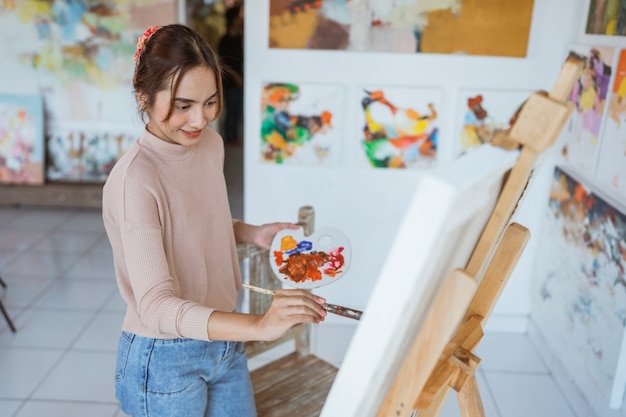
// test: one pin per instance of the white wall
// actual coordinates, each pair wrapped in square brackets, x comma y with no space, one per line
[367,204]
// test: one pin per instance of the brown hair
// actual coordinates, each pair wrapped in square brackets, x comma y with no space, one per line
[168,54]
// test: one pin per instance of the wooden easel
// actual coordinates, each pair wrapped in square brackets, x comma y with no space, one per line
[435,362]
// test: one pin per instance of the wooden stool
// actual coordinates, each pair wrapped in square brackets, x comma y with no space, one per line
[293,385]
[297,384]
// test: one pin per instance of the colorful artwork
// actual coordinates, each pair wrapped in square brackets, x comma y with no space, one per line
[611,167]
[606,17]
[400,127]
[488,27]
[310,261]
[580,290]
[21,139]
[581,133]
[299,124]
[487,113]
[82,52]
[85,154]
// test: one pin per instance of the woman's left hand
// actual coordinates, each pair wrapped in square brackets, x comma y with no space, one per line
[265,233]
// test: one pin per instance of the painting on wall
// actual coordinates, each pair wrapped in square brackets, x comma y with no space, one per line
[81,52]
[400,127]
[606,18]
[579,139]
[21,139]
[300,124]
[485,113]
[488,27]
[82,153]
[611,167]
[579,293]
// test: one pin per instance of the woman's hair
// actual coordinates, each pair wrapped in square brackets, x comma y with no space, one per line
[167,55]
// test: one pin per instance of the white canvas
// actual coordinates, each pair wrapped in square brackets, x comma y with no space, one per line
[442,223]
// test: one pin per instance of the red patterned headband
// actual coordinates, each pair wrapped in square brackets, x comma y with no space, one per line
[143,38]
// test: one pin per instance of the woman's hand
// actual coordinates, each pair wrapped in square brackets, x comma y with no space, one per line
[288,308]
[264,234]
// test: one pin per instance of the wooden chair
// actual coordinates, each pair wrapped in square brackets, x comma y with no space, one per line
[5,313]
[297,384]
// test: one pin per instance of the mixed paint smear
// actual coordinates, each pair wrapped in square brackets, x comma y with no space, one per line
[299,262]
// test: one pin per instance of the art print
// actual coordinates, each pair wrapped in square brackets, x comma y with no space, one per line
[300,124]
[606,18]
[485,114]
[78,153]
[580,137]
[407,26]
[21,139]
[399,127]
[579,293]
[611,167]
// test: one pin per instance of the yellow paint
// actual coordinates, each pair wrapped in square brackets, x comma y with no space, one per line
[288,243]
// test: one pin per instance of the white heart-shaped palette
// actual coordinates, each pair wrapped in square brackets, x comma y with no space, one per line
[310,261]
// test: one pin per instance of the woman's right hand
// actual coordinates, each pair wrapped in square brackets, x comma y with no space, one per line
[288,308]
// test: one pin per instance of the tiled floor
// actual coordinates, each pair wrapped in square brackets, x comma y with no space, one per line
[62,296]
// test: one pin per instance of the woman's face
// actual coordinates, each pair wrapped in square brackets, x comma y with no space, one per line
[195,105]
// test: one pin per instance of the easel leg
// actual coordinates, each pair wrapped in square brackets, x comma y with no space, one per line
[435,405]
[469,400]
[5,313]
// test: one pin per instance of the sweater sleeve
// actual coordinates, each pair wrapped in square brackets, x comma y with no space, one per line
[155,290]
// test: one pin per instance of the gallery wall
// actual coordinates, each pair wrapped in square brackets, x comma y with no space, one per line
[367,203]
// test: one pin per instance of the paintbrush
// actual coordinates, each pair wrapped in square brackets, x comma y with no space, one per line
[331,308]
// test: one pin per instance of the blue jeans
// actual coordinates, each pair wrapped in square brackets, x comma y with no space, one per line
[182,377]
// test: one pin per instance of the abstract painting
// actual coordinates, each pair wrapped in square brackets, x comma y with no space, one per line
[21,139]
[579,140]
[300,124]
[611,166]
[488,27]
[83,153]
[606,17]
[400,127]
[579,293]
[485,113]
[81,52]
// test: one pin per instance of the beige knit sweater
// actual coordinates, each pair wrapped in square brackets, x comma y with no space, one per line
[166,213]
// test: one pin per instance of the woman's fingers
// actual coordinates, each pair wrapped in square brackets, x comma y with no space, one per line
[301,298]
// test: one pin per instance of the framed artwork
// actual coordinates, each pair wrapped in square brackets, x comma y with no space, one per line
[410,26]
[484,113]
[579,293]
[437,235]
[21,139]
[83,153]
[301,124]
[606,18]
[611,167]
[399,127]
[580,137]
